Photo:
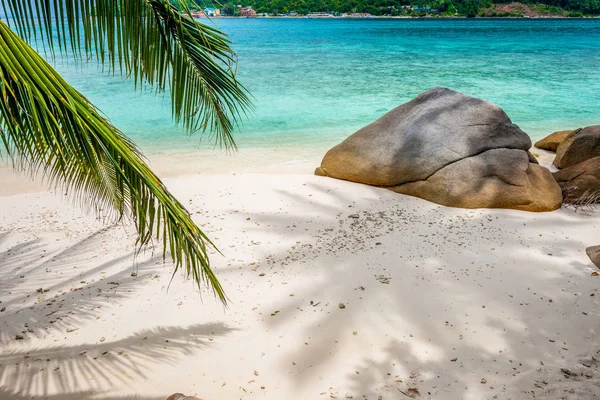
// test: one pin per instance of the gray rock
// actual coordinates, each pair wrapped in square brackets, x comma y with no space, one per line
[420,137]
[442,146]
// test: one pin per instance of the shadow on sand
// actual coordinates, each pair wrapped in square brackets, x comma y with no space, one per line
[80,371]
[440,270]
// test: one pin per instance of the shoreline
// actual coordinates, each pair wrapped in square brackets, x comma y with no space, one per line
[408,17]
[194,162]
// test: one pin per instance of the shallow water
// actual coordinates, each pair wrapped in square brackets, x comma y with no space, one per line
[317,81]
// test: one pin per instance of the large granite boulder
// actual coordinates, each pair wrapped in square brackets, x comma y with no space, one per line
[552,141]
[449,148]
[578,146]
[594,255]
[580,182]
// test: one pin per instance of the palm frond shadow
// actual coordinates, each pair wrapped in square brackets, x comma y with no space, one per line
[30,256]
[394,220]
[44,302]
[76,370]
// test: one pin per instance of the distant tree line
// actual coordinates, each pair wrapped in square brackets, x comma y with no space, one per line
[470,8]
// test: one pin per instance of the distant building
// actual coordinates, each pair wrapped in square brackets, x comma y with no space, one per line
[198,14]
[248,12]
[212,12]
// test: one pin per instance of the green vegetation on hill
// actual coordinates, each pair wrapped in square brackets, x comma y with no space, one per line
[470,8]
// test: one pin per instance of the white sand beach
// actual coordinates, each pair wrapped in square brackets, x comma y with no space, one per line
[337,290]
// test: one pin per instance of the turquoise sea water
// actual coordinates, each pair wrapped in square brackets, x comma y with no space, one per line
[317,81]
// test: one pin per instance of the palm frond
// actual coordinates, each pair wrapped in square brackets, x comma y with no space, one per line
[49,127]
[152,41]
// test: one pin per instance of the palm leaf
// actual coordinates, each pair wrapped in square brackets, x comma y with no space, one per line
[48,126]
[152,41]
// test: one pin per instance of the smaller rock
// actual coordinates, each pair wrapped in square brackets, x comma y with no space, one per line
[483,381]
[19,337]
[552,141]
[181,396]
[580,183]
[578,146]
[342,305]
[594,255]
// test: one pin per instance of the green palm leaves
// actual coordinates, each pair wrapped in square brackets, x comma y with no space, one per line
[48,126]
[151,41]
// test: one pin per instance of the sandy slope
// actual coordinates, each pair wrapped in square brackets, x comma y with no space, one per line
[338,290]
